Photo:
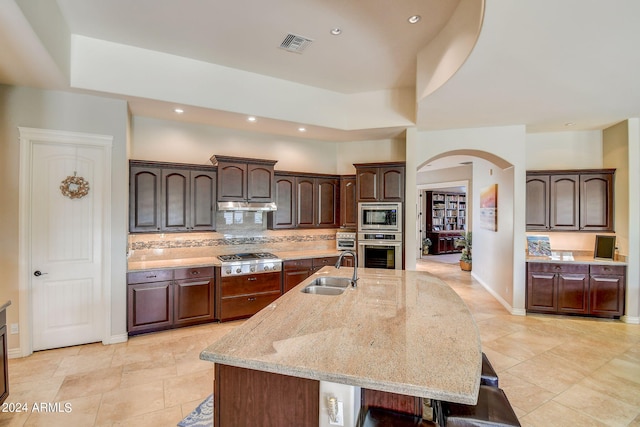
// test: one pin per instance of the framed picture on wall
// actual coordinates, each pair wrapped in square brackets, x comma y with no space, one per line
[489,208]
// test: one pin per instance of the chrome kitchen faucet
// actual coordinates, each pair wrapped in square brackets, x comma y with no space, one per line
[354,279]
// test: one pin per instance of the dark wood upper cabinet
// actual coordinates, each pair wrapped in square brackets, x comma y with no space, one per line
[285,216]
[565,202]
[245,180]
[171,197]
[144,199]
[572,200]
[596,202]
[348,205]
[380,182]
[306,201]
[537,202]
[232,181]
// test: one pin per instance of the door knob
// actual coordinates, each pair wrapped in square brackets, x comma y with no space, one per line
[38,273]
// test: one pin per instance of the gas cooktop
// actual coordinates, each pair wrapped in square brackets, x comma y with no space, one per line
[247,257]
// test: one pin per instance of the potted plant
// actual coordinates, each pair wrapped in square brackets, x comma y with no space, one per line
[426,244]
[464,242]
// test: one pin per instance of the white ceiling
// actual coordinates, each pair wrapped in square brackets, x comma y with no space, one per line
[540,63]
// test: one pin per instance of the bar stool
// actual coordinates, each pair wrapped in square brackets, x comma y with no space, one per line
[493,409]
[380,417]
[488,376]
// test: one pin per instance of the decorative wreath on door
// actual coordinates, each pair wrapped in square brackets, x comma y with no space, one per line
[74,187]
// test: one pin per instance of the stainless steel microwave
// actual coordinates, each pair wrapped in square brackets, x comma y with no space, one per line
[381,216]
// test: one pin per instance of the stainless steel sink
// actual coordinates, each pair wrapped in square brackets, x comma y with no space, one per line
[327,285]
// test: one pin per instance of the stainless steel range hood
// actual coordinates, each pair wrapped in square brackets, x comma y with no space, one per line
[247,206]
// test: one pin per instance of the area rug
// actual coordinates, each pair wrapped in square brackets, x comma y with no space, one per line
[202,416]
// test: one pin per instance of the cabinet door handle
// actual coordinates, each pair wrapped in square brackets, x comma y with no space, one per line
[251,299]
[195,272]
[252,279]
[151,277]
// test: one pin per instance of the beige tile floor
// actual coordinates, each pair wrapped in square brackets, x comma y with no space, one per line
[556,371]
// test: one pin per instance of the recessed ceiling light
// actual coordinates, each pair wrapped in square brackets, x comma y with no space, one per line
[302,129]
[178,110]
[336,31]
[569,124]
[414,19]
[251,119]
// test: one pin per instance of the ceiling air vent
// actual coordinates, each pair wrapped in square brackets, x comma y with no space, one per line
[294,43]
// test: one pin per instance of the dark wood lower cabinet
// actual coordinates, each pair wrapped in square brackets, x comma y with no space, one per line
[4,362]
[245,397]
[444,242]
[295,271]
[164,299]
[244,296]
[584,289]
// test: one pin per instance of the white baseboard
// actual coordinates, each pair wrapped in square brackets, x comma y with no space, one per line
[505,304]
[116,339]
[14,353]
[631,319]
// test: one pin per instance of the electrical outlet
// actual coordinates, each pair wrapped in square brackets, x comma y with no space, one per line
[15,329]
[339,421]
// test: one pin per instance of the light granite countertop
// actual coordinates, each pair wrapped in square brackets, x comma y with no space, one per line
[571,257]
[398,331]
[209,261]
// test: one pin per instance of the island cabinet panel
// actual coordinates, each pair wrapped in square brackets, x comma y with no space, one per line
[380,182]
[246,397]
[171,197]
[348,205]
[565,288]
[574,200]
[244,296]
[164,299]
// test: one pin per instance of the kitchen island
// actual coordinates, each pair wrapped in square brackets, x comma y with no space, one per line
[401,332]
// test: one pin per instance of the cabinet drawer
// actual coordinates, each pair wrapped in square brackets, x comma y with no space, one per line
[193,273]
[245,305]
[250,284]
[321,262]
[298,264]
[149,276]
[608,269]
[547,267]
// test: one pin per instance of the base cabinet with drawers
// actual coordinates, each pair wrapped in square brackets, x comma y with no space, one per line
[584,289]
[296,270]
[164,299]
[243,296]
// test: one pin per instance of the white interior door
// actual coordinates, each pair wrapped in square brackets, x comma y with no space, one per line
[66,246]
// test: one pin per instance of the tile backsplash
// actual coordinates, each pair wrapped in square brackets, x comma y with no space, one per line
[233,240]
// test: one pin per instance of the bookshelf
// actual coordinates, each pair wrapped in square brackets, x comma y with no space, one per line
[445,218]
[446,211]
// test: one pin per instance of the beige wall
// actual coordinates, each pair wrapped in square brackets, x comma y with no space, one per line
[564,150]
[500,158]
[26,107]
